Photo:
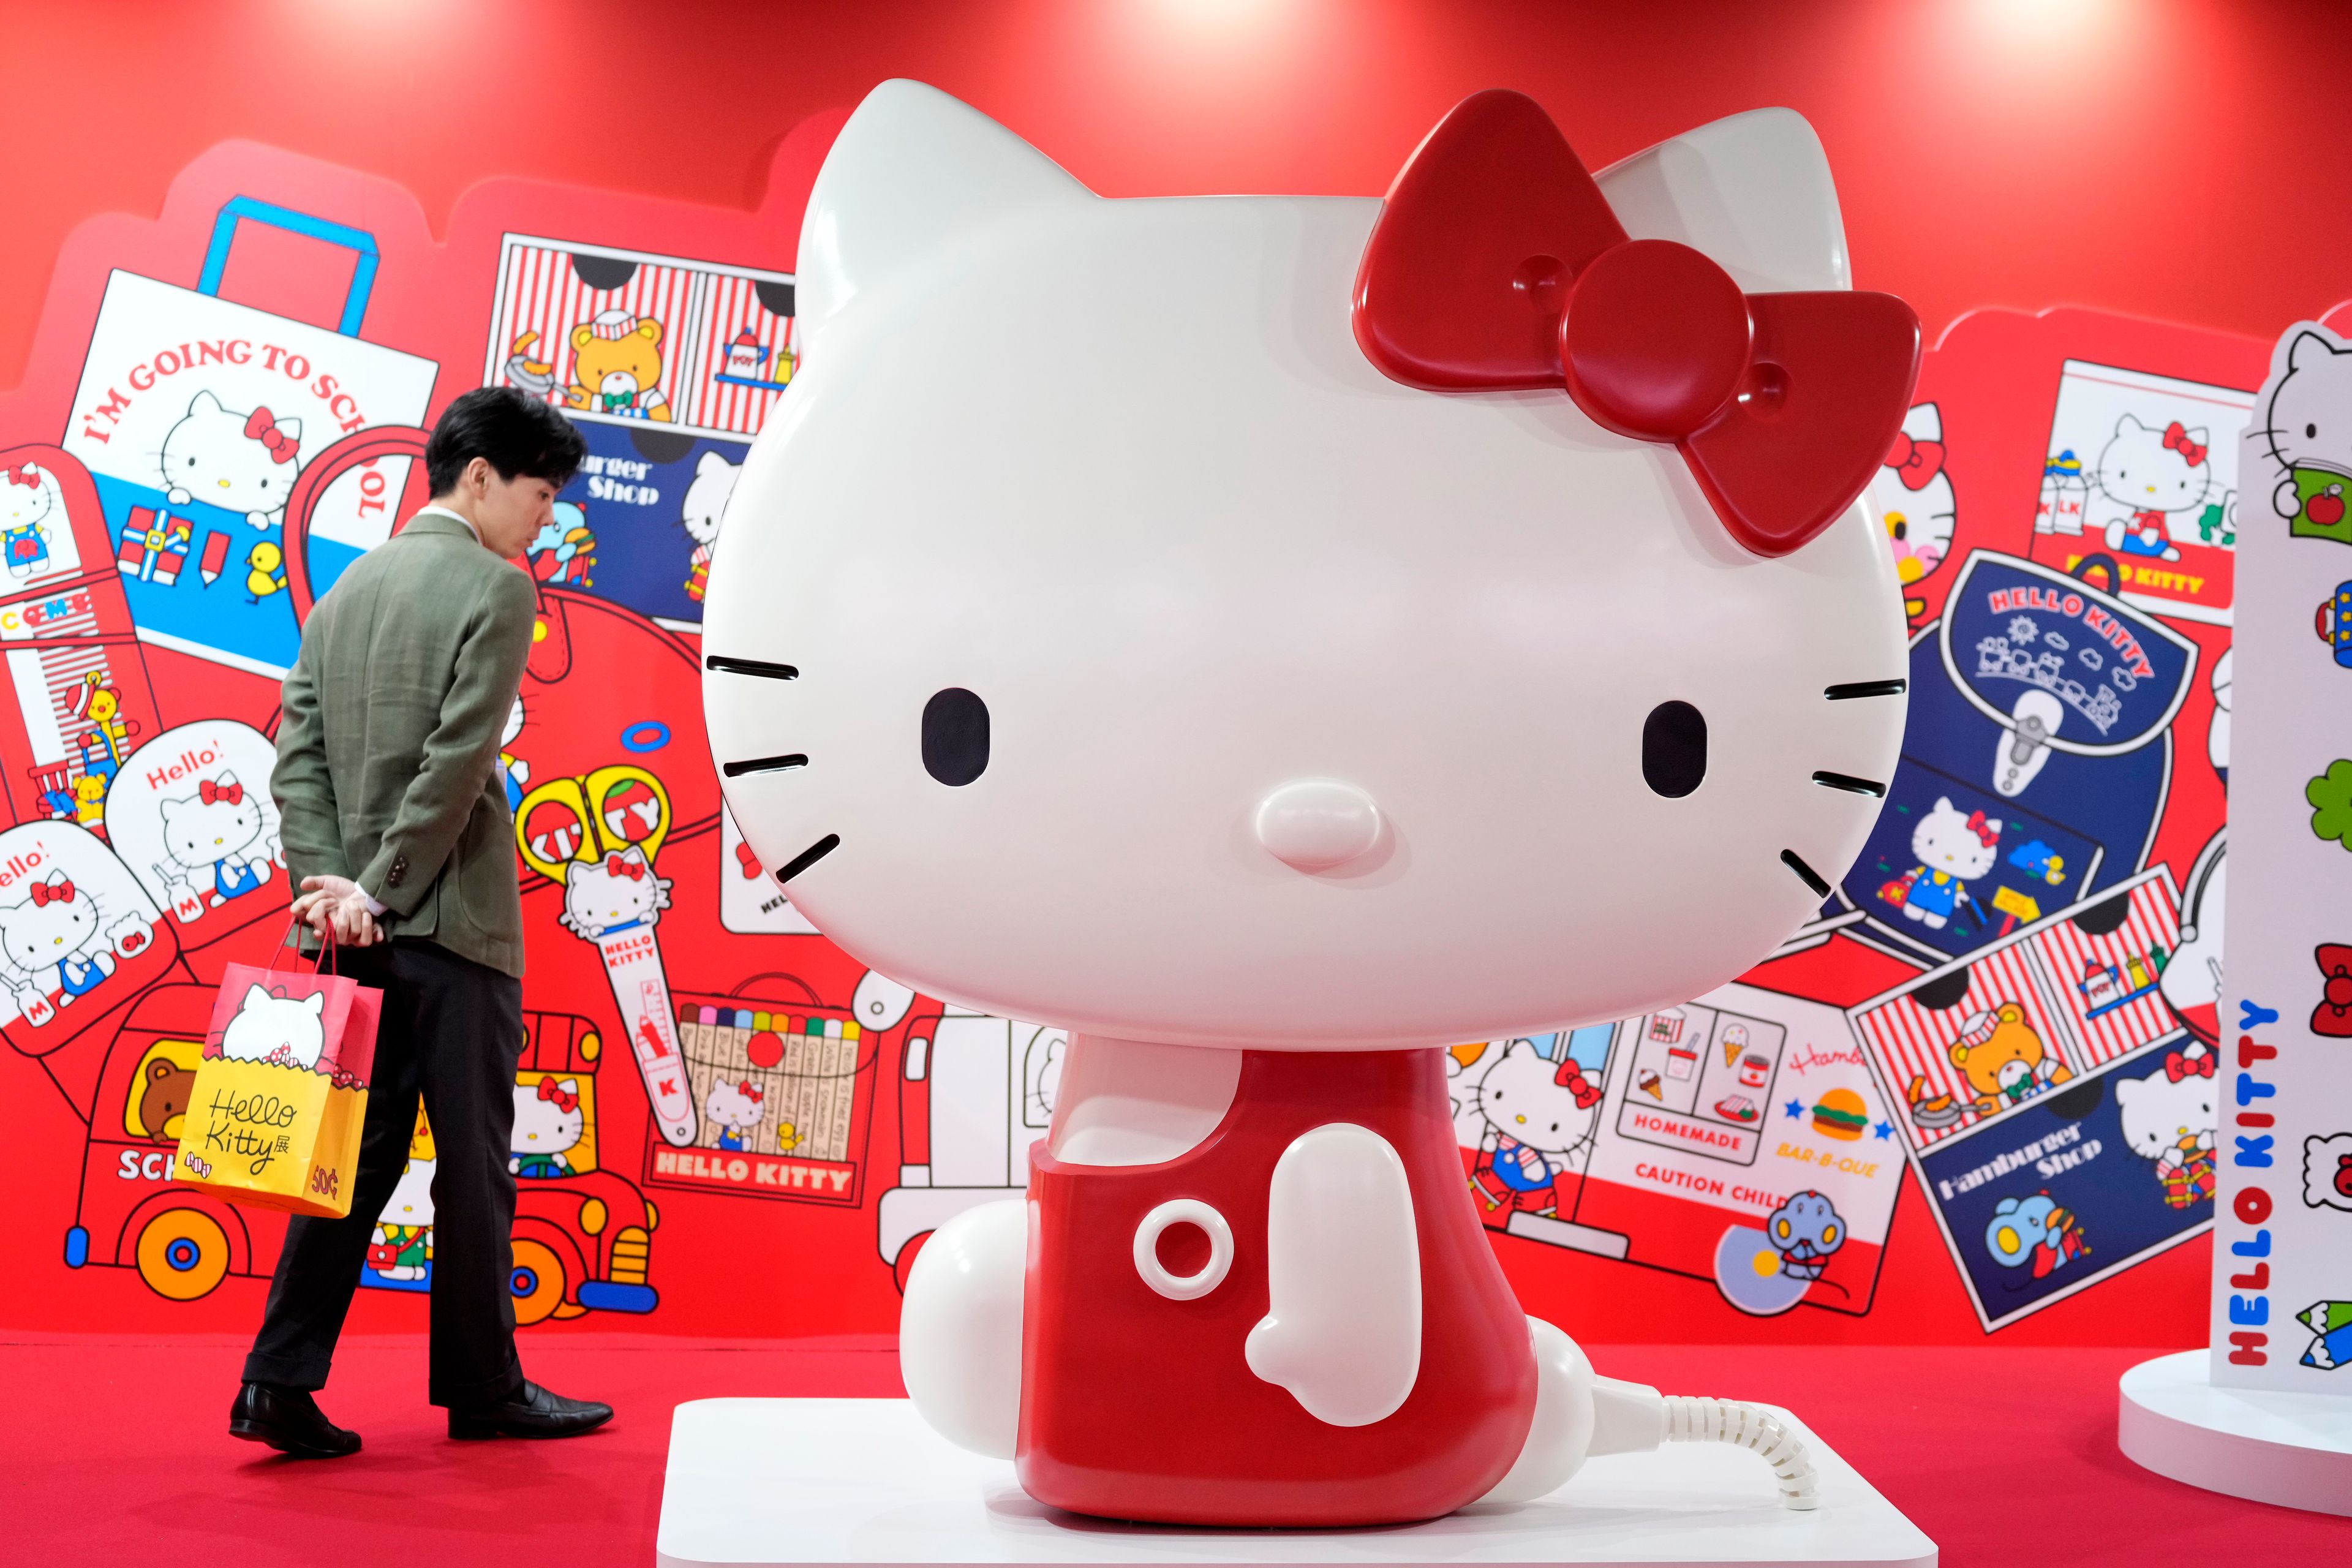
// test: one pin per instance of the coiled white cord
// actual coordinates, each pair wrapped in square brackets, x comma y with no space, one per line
[1700,1419]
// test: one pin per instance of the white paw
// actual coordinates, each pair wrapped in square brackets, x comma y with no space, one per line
[960,1328]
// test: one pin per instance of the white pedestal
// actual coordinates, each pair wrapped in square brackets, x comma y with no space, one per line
[863,1480]
[2293,1449]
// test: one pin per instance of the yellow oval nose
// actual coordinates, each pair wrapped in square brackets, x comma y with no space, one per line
[1520,1120]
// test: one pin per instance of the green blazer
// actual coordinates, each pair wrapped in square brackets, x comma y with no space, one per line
[388,739]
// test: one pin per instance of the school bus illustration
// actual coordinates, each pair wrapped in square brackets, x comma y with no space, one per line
[973,1093]
[582,1235]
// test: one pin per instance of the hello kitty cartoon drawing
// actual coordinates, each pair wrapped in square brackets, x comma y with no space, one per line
[217,830]
[55,949]
[705,505]
[290,1031]
[27,501]
[242,462]
[2169,1118]
[1912,498]
[2305,434]
[2147,476]
[1211,744]
[1539,1115]
[401,1246]
[618,893]
[1953,851]
[548,1124]
[735,1109]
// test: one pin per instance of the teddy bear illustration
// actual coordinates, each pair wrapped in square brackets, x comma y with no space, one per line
[617,367]
[1539,1114]
[1953,849]
[1261,937]
[163,1091]
[2147,475]
[2004,1059]
[2168,1117]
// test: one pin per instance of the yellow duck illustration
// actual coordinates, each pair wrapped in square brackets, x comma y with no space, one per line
[267,576]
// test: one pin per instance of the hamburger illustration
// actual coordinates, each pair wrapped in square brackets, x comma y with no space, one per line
[1840,1114]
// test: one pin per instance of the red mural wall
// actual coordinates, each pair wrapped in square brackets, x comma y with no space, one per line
[544,180]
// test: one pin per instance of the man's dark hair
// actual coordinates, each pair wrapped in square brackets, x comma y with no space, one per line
[515,434]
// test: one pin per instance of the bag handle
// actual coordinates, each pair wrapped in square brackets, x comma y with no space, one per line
[364,269]
[360,447]
[325,964]
[804,988]
[2100,560]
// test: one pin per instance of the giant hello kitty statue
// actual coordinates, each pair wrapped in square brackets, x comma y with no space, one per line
[1275,638]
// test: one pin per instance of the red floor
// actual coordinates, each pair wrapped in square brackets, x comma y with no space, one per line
[114,1452]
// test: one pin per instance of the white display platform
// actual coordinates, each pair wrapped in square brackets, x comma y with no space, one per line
[2293,1449]
[863,1480]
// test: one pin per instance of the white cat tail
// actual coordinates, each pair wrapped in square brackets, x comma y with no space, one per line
[912,172]
[1753,190]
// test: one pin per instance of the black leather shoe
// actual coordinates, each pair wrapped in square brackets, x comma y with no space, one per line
[532,1411]
[289,1421]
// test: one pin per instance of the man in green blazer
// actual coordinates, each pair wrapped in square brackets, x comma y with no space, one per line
[395,822]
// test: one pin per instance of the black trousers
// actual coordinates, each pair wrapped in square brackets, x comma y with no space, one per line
[452,1033]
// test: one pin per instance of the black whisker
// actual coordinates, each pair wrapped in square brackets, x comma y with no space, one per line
[1895,687]
[809,857]
[1848,781]
[758,667]
[1805,874]
[764,764]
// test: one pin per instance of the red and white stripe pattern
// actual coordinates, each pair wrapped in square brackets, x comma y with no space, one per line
[2153,922]
[543,294]
[1907,1041]
[735,307]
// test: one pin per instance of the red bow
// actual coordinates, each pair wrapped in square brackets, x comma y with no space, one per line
[1916,462]
[2176,439]
[1572,1078]
[24,474]
[210,793]
[752,1091]
[1496,263]
[259,426]
[2333,1016]
[614,866]
[1986,833]
[561,1101]
[748,861]
[57,893]
[2177,1067]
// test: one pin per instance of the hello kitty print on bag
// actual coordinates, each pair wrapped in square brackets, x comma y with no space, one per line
[239,461]
[1367,625]
[284,1031]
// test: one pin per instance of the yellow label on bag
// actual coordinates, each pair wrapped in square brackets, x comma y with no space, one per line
[272,1134]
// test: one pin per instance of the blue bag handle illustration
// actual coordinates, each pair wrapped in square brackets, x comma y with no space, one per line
[239,208]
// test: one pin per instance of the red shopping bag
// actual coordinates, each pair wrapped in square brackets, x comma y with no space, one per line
[281,1094]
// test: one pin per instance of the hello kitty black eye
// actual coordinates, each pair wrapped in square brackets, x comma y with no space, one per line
[2310,432]
[955,736]
[1673,749]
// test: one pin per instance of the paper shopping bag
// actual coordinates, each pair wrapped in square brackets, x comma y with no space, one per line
[281,1095]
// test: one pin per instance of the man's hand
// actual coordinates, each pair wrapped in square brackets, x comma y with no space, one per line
[334,905]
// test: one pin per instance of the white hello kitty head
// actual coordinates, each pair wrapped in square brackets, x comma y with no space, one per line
[56,920]
[411,1203]
[290,1031]
[1912,496]
[237,460]
[2147,468]
[221,819]
[620,890]
[1949,840]
[1234,693]
[2310,415]
[548,1117]
[513,726]
[737,1105]
[1533,1101]
[2168,1109]
[706,497]
[27,496]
